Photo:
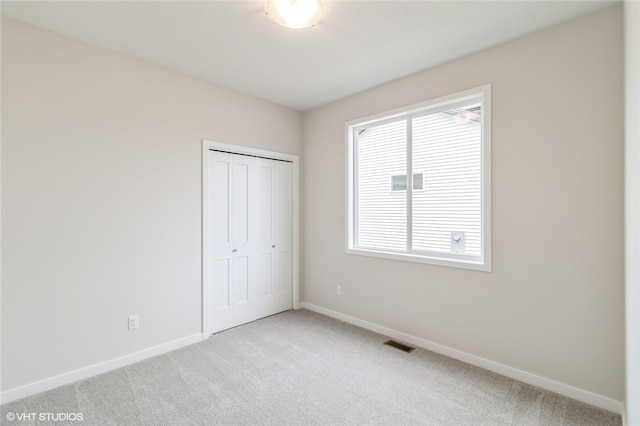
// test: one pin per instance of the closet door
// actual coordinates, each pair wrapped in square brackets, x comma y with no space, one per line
[283,195]
[274,286]
[249,239]
[230,233]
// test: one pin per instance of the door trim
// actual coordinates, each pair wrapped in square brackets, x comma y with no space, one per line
[295,232]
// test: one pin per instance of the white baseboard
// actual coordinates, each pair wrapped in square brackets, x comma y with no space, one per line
[514,373]
[93,370]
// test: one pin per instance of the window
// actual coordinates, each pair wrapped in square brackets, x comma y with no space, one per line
[444,216]
[399,182]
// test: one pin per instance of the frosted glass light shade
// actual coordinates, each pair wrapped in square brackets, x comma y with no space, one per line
[294,13]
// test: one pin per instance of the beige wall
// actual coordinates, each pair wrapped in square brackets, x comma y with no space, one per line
[632,206]
[101,205]
[553,305]
[101,198]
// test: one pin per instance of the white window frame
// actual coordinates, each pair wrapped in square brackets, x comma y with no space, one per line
[483,263]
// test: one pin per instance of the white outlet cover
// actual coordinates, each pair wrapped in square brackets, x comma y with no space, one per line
[134,322]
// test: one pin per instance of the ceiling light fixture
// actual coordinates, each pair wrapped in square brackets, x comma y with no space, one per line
[294,14]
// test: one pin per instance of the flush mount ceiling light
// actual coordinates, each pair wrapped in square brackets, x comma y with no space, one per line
[295,14]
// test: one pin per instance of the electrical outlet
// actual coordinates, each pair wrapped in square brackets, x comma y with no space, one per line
[134,322]
[339,290]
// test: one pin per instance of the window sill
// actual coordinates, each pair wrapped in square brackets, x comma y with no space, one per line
[437,261]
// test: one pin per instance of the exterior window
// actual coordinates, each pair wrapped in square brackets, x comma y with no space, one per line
[399,182]
[444,217]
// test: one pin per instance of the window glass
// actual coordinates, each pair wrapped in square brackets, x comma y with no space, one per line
[444,217]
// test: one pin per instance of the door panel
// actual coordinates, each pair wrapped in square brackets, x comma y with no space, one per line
[265,232]
[265,240]
[220,274]
[219,189]
[284,219]
[240,202]
[282,269]
[265,277]
[219,241]
[240,280]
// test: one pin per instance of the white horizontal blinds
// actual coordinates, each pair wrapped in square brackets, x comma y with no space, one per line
[447,148]
[381,212]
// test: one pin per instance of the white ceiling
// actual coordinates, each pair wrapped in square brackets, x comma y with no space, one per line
[358,44]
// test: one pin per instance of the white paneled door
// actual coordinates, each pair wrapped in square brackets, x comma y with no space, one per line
[249,238]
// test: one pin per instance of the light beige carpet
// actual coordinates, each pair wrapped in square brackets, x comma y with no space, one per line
[302,368]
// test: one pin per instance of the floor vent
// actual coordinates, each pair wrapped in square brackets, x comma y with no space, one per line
[400,346]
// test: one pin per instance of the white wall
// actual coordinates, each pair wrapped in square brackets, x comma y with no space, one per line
[632,198]
[101,199]
[553,305]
